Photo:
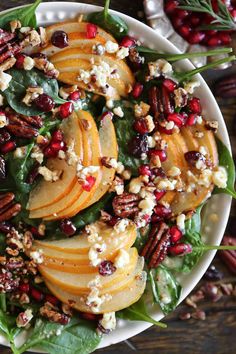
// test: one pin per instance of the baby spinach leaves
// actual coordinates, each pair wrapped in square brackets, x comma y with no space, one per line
[226,160]
[165,288]
[26,15]
[111,23]
[21,80]
[9,329]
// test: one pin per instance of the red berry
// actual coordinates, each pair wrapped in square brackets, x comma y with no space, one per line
[37,295]
[20,61]
[170,6]
[106,268]
[44,102]
[194,105]
[137,90]
[194,20]
[159,194]
[49,152]
[177,22]
[57,135]
[196,37]
[165,131]
[184,31]
[191,120]
[177,118]
[162,211]
[60,39]
[74,96]
[214,41]
[24,287]
[160,153]
[90,181]
[66,109]
[180,249]
[91,30]
[67,227]
[169,84]
[128,42]
[225,38]
[181,13]
[140,126]
[175,234]
[144,170]
[35,231]
[52,299]
[57,145]
[8,147]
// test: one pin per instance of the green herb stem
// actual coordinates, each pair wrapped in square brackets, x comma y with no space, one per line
[106,8]
[206,248]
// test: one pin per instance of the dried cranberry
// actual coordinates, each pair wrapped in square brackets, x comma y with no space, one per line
[88,185]
[91,30]
[162,211]
[128,42]
[8,147]
[24,287]
[137,90]
[2,168]
[180,249]
[4,136]
[213,274]
[33,174]
[74,96]
[5,227]
[44,102]
[138,145]
[192,157]
[159,153]
[52,299]
[66,109]
[140,126]
[67,227]
[36,294]
[194,105]
[60,39]
[175,234]
[159,194]
[106,268]
[169,84]
[144,170]
[20,61]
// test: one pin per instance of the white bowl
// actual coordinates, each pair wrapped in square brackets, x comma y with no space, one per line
[48,13]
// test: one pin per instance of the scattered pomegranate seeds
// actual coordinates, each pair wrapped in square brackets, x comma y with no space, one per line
[213,41]
[137,90]
[159,194]
[128,42]
[90,181]
[74,96]
[185,31]
[44,102]
[8,147]
[66,109]
[36,294]
[20,61]
[140,126]
[160,153]
[196,37]
[60,39]
[175,234]
[49,152]
[67,227]
[57,145]
[169,84]
[106,268]
[144,170]
[180,249]
[194,105]
[91,30]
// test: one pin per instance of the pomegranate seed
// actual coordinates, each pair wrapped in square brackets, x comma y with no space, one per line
[194,20]
[91,30]
[106,268]
[160,153]
[113,221]
[52,299]
[196,37]
[66,109]
[181,13]
[185,31]
[155,218]
[169,84]
[67,227]
[74,96]
[137,90]
[57,135]
[89,316]
[175,234]
[177,22]
[44,102]
[177,118]
[194,105]
[20,61]
[162,211]
[180,249]
[49,152]
[60,39]
[5,227]
[165,131]
[57,145]
[24,287]
[214,41]
[140,126]
[144,170]
[191,120]
[225,38]
[128,42]
[159,194]
[90,181]
[4,136]
[37,295]
[170,6]
[8,147]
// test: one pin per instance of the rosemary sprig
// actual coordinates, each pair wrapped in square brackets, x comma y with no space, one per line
[222,19]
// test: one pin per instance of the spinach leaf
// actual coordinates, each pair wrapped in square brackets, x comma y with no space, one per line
[191,259]
[165,288]
[111,23]
[78,337]
[226,160]
[142,236]
[25,15]
[194,223]
[21,80]
[138,312]
[9,329]
[3,303]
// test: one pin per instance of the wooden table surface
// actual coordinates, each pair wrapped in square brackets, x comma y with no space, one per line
[215,334]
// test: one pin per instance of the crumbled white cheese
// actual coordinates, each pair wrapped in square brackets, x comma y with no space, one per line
[71,156]
[37,256]
[205,178]
[166,184]
[111,47]
[94,301]
[84,172]
[24,318]
[61,155]
[135,185]
[220,177]
[151,142]
[120,167]
[108,321]
[20,152]
[174,171]
[28,63]
[147,205]
[122,259]
[101,73]
[121,225]
[191,85]
[200,164]
[180,220]
[94,253]
[122,53]
[96,282]
[1,100]
[110,104]
[118,112]
[48,175]
[159,67]
[170,125]
[3,120]
[5,80]
[37,154]
[199,119]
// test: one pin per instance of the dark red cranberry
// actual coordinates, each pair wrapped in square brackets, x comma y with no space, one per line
[57,145]
[74,96]
[57,135]
[67,227]
[138,145]
[213,274]
[44,102]
[49,152]
[52,299]
[180,249]
[4,136]
[184,31]
[88,185]
[24,287]
[175,234]
[128,42]
[169,84]
[2,168]
[159,194]
[192,157]
[106,268]
[140,126]
[214,41]
[160,153]
[191,120]
[158,172]
[66,109]
[162,211]
[177,118]
[5,227]
[36,294]
[196,37]
[8,147]
[137,90]
[194,105]
[60,39]
[20,61]
[144,170]
[91,30]
[170,6]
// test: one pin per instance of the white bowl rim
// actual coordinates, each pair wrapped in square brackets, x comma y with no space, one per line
[128,328]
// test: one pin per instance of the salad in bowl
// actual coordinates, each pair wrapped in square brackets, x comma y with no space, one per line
[107,158]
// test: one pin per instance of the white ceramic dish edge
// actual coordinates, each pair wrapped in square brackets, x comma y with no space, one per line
[57,11]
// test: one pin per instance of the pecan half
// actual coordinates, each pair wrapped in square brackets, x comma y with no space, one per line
[155,249]
[8,209]
[226,88]
[229,257]
[10,50]
[2,168]
[5,36]
[126,205]
[53,315]
[23,126]
[161,101]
